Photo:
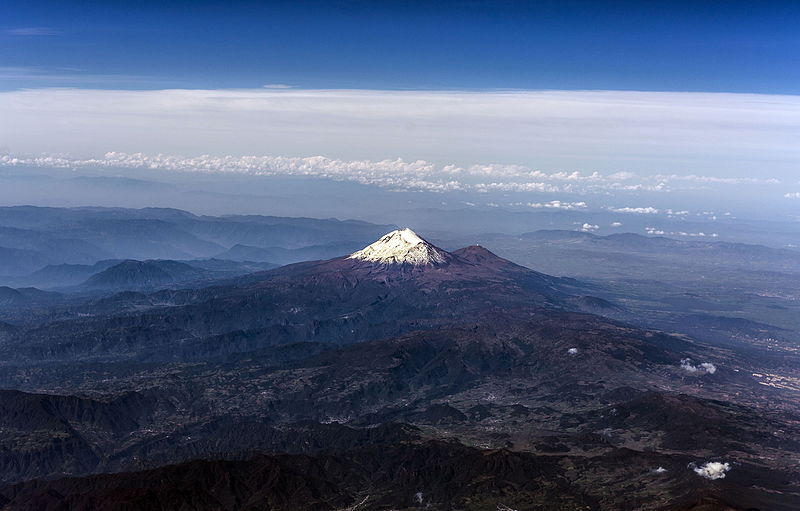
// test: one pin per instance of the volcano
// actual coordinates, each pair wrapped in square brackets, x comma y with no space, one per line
[403,246]
[397,284]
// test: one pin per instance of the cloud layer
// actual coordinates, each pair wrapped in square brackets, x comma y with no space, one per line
[395,174]
[674,139]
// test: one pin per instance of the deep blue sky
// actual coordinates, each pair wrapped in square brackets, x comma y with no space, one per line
[683,46]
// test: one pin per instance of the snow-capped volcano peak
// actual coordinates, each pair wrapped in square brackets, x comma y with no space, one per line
[402,246]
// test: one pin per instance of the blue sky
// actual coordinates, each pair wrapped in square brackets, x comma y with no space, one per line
[656,46]
[649,106]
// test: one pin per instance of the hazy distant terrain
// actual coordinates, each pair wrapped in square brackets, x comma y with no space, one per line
[55,247]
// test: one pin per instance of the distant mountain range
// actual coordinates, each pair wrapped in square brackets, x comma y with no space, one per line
[33,237]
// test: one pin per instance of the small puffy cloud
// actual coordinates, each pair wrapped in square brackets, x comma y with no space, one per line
[515,187]
[616,224]
[622,176]
[705,367]
[557,204]
[589,227]
[654,231]
[711,469]
[708,367]
[572,351]
[792,195]
[639,211]
[700,234]
[659,470]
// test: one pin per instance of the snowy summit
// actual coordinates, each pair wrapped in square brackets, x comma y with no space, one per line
[402,246]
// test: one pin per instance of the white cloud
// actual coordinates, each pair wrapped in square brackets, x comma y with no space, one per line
[616,224]
[705,367]
[652,136]
[638,211]
[708,367]
[557,204]
[515,187]
[654,231]
[589,227]
[572,351]
[416,175]
[700,234]
[793,195]
[392,173]
[711,469]
[659,470]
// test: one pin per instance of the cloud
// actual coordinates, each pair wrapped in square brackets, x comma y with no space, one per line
[434,140]
[570,140]
[654,231]
[711,469]
[395,173]
[32,31]
[638,211]
[705,367]
[793,195]
[700,234]
[616,224]
[589,227]
[557,204]
[572,351]
[659,470]
[515,187]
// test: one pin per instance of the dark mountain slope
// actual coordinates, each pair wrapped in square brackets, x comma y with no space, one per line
[134,275]
[24,297]
[437,476]
[49,434]
[337,301]
[510,384]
